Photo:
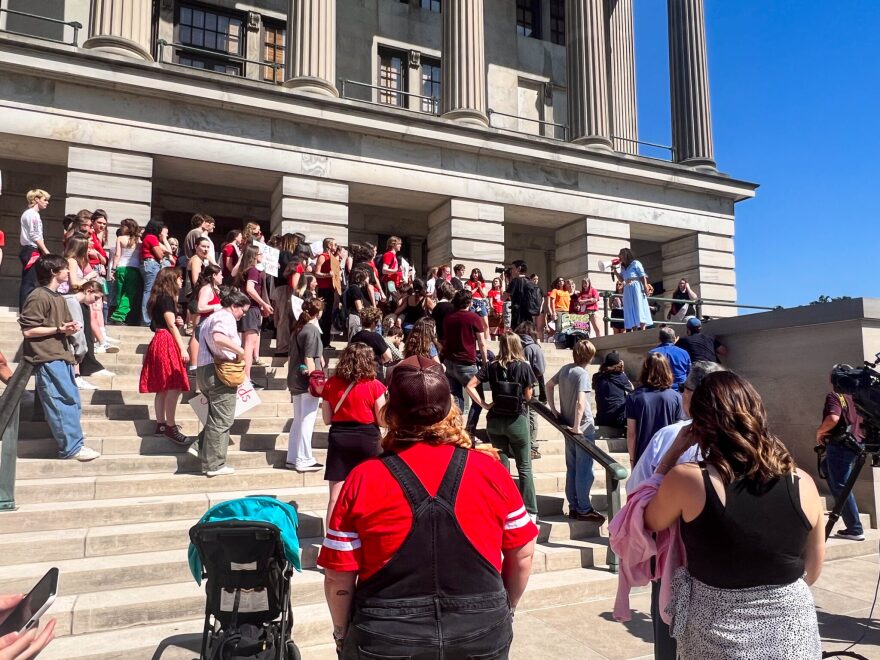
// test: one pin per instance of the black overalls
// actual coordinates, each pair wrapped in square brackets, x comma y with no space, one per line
[437,598]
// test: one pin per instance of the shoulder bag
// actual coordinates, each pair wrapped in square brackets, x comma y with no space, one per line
[229,372]
[507,395]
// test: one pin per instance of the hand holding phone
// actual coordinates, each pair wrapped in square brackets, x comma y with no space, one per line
[23,616]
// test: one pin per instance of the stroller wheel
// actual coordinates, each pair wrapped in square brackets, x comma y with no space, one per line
[292,652]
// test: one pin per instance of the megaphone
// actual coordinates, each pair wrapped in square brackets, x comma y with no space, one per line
[605,266]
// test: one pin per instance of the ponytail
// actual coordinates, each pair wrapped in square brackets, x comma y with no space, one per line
[311,310]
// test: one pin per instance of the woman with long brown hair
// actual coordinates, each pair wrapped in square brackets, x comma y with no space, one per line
[653,405]
[351,402]
[251,281]
[751,523]
[206,301]
[422,340]
[306,356]
[164,367]
[636,311]
[430,521]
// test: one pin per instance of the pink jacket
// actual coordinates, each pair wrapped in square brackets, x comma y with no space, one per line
[635,544]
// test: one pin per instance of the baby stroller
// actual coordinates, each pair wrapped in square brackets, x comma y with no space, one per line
[247,550]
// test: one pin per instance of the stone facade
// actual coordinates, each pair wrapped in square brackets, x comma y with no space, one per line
[362,128]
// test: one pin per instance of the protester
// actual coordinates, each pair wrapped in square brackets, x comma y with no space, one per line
[840,418]
[46,326]
[636,312]
[201,227]
[230,253]
[678,358]
[327,271]
[538,362]
[251,281]
[193,270]
[155,255]
[288,263]
[414,306]
[393,339]
[306,357]
[206,294]
[463,332]
[32,244]
[164,367]
[219,342]
[352,401]
[680,311]
[617,308]
[752,528]
[82,341]
[443,307]
[431,281]
[422,340]
[700,347]
[517,293]
[559,300]
[429,522]
[457,280]
[477,284]
[391,273]
[354,299]
[587,302]
[652,406]
[611,387]
[126,272]
[512,382]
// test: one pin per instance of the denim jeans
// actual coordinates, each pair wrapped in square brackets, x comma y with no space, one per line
[839,462]
[150,269]
[510,435]
[459,375]
[61,405]
[578,475]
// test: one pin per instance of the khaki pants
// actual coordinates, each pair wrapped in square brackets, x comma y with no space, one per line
[214,439]
[281,305]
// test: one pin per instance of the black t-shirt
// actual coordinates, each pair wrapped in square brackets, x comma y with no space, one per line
[517,372]
[284,258]
[700,347]
[675,308]
[373,340]
[157,314]
[439,313]
[611,391]
[457,284]
[517,289]
[352,294]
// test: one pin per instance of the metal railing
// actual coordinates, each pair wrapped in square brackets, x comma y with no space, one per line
[653,145]
[76,25]
[697,303]
[345,86]
[9,421]
[615,473]
[541,124]
[216,55]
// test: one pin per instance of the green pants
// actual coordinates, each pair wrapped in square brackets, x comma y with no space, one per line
[510,435]
[128,293]
[213,441]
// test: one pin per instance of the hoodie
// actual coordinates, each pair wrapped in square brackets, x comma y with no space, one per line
[535,355]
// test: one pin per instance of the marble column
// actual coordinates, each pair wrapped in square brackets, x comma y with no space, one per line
[689,82]
[622,76]
[122,27]
[708,263]
[588,120]
[316,207]
[311,50]
[463,75]
[581,245]
[463,231]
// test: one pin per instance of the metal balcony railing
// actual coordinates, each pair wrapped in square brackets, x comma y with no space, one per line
[216,55]
[560,131]
[10,403]
[395,98]
[75,25]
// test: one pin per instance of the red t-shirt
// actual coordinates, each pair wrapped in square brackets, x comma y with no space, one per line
[2,239]
[150,241]
[460,330]
[389,259]
[495,297]
[582,307]
[299,270]
[372,518]
[96,245]
[227,252]
[476,288]
[358,405]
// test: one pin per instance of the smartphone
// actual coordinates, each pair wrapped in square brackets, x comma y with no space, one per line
[28,612]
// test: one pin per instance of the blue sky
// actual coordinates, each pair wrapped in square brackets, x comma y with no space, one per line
[795,101]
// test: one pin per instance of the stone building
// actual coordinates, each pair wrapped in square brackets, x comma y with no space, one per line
[493,130]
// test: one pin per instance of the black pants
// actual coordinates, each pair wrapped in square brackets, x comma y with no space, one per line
[326,320]
[89,364]
[28,275]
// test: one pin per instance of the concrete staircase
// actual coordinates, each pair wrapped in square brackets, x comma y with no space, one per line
[117,527]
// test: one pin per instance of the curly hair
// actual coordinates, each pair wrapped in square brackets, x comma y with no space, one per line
[730,424]
[356,362]
[656,372]
[401,434]
[370,317]
[421,338]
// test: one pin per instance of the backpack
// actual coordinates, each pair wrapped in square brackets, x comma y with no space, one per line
[507,395]
[531,298]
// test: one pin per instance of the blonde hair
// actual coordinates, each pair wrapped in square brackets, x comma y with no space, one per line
[35,194]
[583,352]
[510,348]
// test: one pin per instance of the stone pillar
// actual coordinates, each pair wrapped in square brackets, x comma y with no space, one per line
[119,183]
[707,262]
[468,232]
[311,47]
[588,121]
[463,75]
[581,245]
[316,207]
[689,82]
[123,27]
[622,76]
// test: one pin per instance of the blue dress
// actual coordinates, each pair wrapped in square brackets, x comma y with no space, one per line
[635,304]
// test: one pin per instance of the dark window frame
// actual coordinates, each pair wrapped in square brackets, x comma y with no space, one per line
[219,57]
[431,5]
[436,66]
[267,73]
[400,94]
[557,22]
[528,18]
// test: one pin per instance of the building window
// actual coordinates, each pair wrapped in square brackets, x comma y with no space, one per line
[392,76]
[557,22]
[430,5]
[273,51]
[430,72]
[210,30]
[528,18]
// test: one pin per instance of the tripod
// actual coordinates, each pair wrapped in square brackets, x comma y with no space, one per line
[839,502]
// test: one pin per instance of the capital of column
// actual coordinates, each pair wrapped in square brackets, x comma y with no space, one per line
[587,74]
[689,82]
[463,75]
[622,76]
[311,52]
[122,27]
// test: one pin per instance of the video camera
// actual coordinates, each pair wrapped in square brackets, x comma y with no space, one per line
[863,385]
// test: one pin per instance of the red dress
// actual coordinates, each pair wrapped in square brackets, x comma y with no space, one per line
[163,367]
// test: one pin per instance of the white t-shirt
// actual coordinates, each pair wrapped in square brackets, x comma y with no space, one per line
[660,443]
[221,321]
[31,227]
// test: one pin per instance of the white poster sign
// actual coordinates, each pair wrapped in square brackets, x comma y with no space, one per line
[270,258]
[245,399]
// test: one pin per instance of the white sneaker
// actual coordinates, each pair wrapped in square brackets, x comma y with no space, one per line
[85,454]
[104,372]
[193,449]
[221,472]
[106,348]
[83,384]
[111,340]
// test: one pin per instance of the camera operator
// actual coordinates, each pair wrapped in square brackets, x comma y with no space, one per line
[838,414]
[523,294]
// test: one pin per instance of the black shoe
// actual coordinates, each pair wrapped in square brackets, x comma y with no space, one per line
[282,354]
[535,454]
[592,516]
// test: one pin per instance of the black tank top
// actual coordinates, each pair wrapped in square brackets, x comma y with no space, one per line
[757,538]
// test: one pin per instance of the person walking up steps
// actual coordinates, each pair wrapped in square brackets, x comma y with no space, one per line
[306,357]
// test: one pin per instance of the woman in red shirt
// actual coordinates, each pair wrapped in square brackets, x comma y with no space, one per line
[587,302]
[352,399]
[433,523]
[477,284]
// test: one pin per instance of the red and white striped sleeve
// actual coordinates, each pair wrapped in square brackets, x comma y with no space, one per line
[341,549]
[518,526]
